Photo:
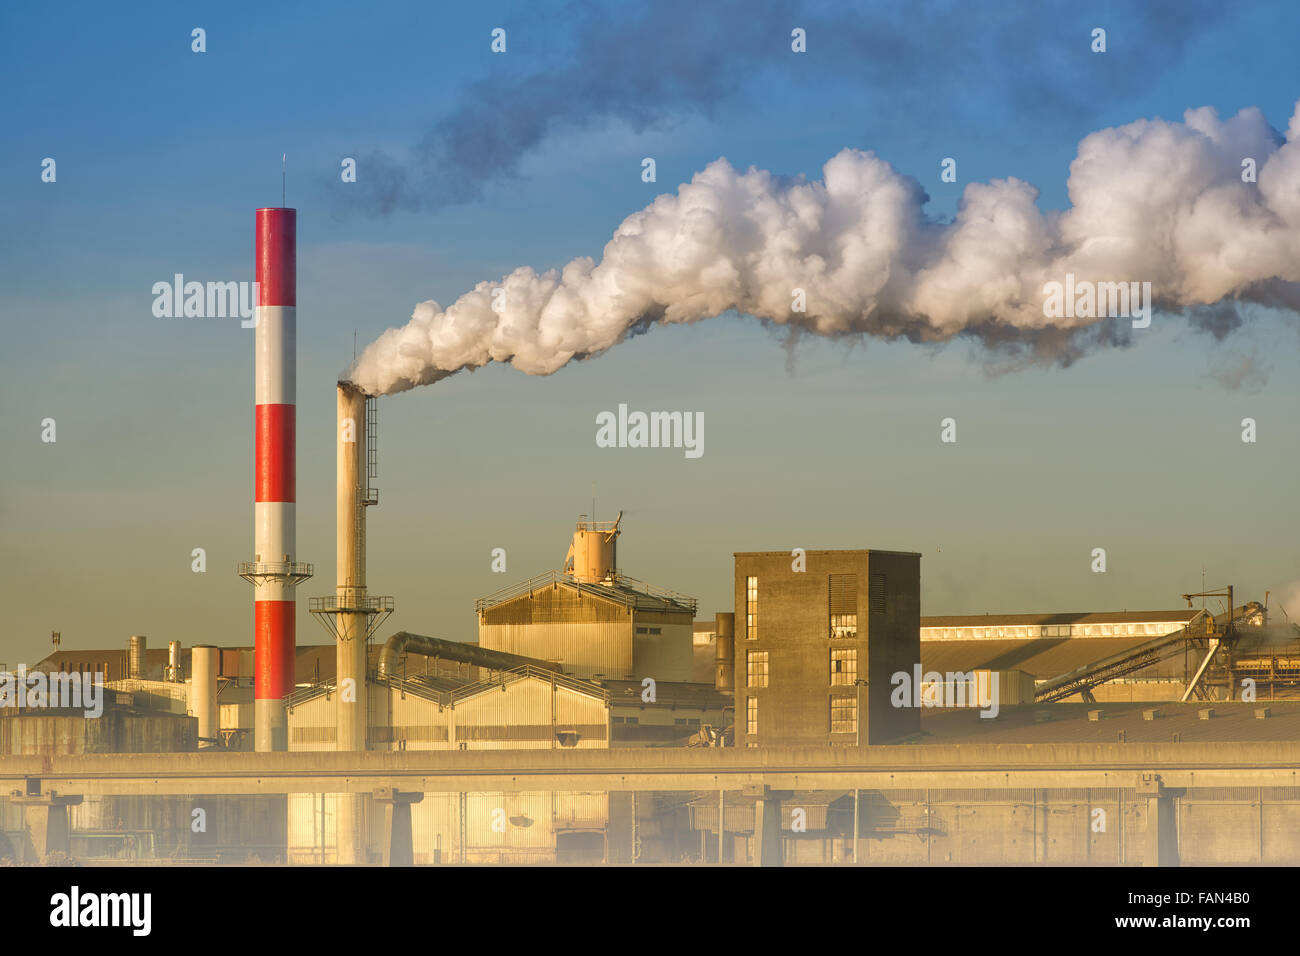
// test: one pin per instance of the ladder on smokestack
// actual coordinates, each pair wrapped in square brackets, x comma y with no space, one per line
[370,494]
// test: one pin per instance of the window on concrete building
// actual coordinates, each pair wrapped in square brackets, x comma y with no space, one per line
[751,608]
[844,666]
[844,605]
[876,595]
[756,669]
[751,715]
[844,715]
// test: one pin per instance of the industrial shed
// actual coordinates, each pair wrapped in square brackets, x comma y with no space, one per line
[522,708]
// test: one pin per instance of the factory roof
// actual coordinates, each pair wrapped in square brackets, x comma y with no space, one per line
[667,693]
[1042,657]
[807,551]
[1182,615]
[1232,721]
[620,588]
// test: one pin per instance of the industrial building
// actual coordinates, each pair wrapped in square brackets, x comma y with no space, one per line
[592,620]
[594,719]
[1153,655]
[817,642]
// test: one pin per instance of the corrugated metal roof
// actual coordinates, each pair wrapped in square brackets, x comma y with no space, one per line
[620,589]
[768,554]
[1182,615]
[1042,657]
[667,693]
[1233,721]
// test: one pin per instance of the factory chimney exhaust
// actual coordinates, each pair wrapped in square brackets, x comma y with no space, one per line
[352,615]
[350,577]
[274,571]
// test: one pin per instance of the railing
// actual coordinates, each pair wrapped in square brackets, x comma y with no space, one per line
[662,594]
[256,570]
[605,526]
[336,605]
[301,695]
[535,583]
[504,678]
[619,587]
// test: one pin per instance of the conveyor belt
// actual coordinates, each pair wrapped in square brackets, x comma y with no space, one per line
[1081,680]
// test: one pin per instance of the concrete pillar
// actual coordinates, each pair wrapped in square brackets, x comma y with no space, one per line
[768,850]
[1162,825]
[46,815]
[351,831]
[857,821]
[399,848]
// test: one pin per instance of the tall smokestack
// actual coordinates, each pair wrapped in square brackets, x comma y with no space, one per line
[274,572]
[351,615]
[350,583]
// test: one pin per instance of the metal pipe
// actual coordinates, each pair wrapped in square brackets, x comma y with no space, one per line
[404,641]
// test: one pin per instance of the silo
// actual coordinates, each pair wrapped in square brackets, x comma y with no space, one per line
[203,692]
[136,657]
[724,652]
[174,661]
[593,555]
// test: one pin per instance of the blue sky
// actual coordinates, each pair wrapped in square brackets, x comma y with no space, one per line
[163,154]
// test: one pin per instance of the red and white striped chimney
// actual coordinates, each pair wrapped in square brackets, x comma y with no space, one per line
[274,572]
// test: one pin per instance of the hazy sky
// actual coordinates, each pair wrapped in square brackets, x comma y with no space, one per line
[533,157]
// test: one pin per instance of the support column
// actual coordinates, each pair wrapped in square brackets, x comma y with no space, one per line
[857,816]
[722,822]
[46,816]
[768,850]
[399,848]
[1162,826]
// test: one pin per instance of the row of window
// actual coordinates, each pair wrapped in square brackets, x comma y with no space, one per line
[842,600]
[843,669]
[843,715]
[83,667]
[1024,631]
[691,723]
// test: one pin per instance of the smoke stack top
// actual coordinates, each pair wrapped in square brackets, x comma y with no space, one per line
[1170,204]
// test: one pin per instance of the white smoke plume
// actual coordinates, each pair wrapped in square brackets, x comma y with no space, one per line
[1152,201]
